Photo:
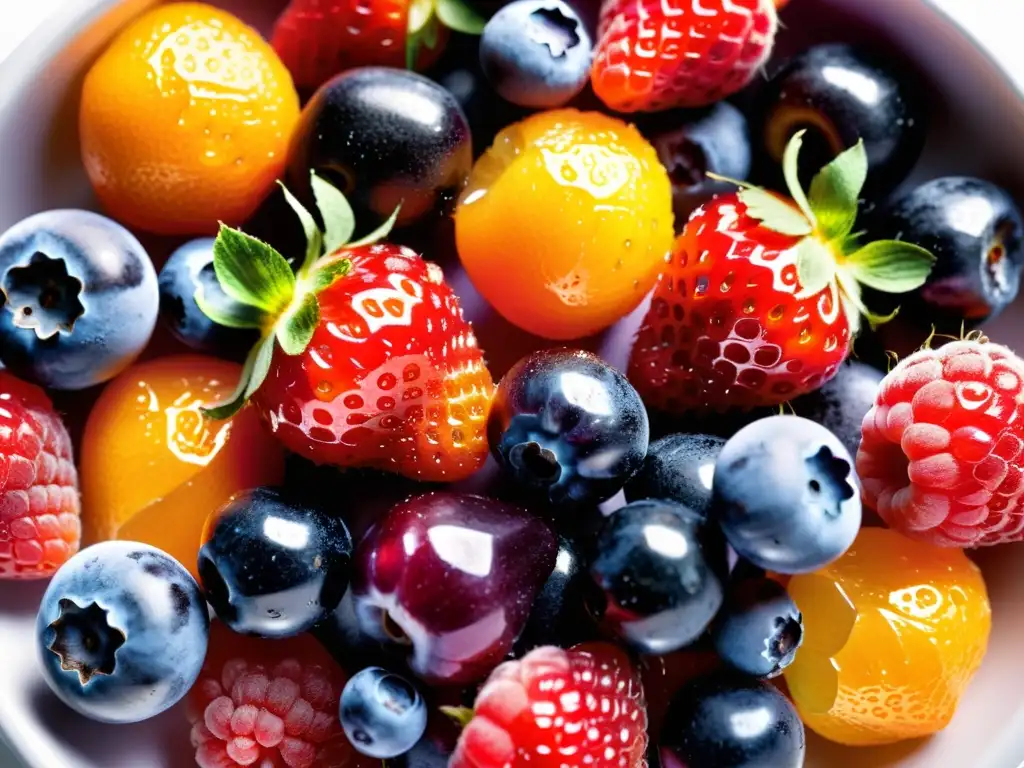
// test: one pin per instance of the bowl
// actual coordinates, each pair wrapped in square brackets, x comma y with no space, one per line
[978,129]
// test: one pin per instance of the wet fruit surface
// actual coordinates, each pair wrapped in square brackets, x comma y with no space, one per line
[893,632]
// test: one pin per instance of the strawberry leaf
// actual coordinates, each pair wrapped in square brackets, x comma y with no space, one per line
[815,266]
[891,266]
[774,213]
[339,220]
[791,172]
[330,270]
[379,233]
[854,305]
[230,314]
[254,373]
[295,328]
[460,16]
[252,272]
[314,239]
[459,715]
[835,192]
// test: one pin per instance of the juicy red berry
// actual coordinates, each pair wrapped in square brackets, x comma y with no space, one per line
[40,527]
[942,450]
[554,708]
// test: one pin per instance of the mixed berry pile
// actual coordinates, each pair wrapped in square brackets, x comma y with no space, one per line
[525,400]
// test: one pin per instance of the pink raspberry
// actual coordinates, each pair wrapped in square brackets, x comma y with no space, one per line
[941,452]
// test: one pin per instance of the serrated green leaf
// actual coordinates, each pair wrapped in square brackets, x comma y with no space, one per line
[230,314]
[460,16]
[295,328]
[328,272]
[774,213]
[815,266]
[254,373]
[380,232]
[252,272]
[339,219]
[891,266]
[835,192]
[791,172]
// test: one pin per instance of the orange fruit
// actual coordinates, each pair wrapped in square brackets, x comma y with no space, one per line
[154,468]
[185,120]
[894,630]
[565,222]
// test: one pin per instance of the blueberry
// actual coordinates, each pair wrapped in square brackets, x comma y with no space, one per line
[842,403]
[122,632]
[678,468]
[536,53]
[382,713]
[660,569]
[558,616]
[760,629]
[786,495]
[569,425]
[190,269]
[79,299]
[273,566]
[730,721]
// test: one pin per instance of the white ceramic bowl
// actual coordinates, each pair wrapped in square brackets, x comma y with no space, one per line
[979,130]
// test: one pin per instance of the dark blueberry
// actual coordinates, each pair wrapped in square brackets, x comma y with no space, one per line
[382,714]
[569,425]
[79,297]
[842,403]
[435,748]
[122,632]
[786,495]
[727,720]
[384,137]
[188,270]
[273,566]
[760,629]
[678,468]
[661,570]
[841,94]
[536,53]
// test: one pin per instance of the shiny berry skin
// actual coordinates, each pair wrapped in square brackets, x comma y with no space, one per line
[122,632]
[392,378]
[678,468]
[894,632]
[760,629]
[567,424]
[80,299]
[273,566]
[942,454]
[658,54]
[842,402]
[580,204]
[710,722]
[661,570]
[591,693]
[559,615]
[786,495]
[382,713]
[452,577]
[40,527]
[726,327]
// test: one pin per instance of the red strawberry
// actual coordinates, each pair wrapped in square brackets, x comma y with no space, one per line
[39,504]
[555,708]
[942,450]
[760,300]
[659,54]
[366,359]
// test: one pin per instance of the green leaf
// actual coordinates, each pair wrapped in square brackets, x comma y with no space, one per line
[295,328]
[339,220]
[775,213]
[252,272]
[459,715]
[254,373]
[460,16]
[328,272]
[835,192]
[815,266]
[791,172]
[230,314]
[380,232]
[314,238]
[854,305]
[891,266]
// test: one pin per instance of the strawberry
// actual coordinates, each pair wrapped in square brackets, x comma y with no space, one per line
[365,358]
[658,54]
[761,297]
[317,39]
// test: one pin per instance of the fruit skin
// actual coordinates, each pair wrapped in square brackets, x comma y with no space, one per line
[511,727]
[77,269]
[942,454]
[185,120]
[393,377]
[382,713]
[417,159]
[187,270]
[580,204]
[842,403]
[273,566]
[661,570]
[786,495]
[678,468]
[122,632]
[705,725]
[536,53]
[658,54]
[568,425]
[493,556]
[40,526]
[894,632]
[760,629]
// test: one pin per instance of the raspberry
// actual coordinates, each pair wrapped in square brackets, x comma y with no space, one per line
[582,707]
[40,528]
[941,450]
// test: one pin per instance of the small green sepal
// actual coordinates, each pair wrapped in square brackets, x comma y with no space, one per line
[458,715]
[815,266]
[339,220]
[379,233]
[254,373]
[252,272]
[426,17]
[835,192]
[891,266]
[791,173]
[328,272]
[294,329]
[774,213]
[460,16]
[231,314]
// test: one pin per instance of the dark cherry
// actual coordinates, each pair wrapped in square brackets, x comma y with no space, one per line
[678,468]
[273,566]
[842,403]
